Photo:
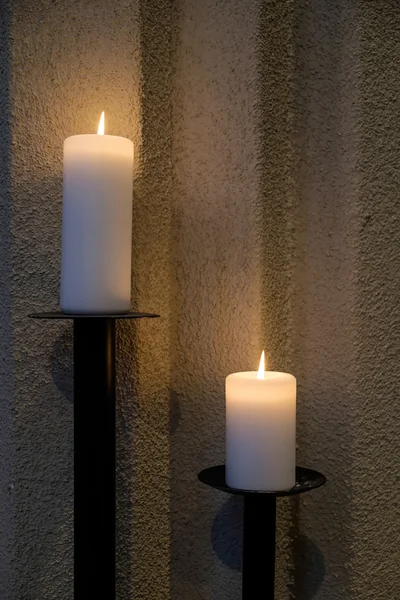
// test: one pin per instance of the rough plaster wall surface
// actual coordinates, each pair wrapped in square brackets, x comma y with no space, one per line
[376,528]
[6,366]
[145,363]
[324,264]
[343,287]
[216,296]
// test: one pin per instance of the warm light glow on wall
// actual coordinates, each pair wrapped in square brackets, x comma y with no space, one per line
[100,130]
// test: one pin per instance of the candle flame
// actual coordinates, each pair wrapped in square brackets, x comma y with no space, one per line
[100,130]
[261,368]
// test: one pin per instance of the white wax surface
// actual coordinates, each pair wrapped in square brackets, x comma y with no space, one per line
[97,224]
[261,431]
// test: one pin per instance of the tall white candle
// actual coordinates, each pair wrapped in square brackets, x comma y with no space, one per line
[97,224]
[261,430]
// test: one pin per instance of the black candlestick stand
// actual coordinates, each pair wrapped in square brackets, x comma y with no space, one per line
[94,451]
[259,528]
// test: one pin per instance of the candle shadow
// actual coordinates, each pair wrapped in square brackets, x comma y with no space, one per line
[204,523]
[227,542]
[227,533]
[175,413]
[126,404]
[44,459]
[125,477]
[308,571]
[62,369]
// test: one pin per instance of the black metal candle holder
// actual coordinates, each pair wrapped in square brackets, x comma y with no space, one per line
[94,451]
[259,527]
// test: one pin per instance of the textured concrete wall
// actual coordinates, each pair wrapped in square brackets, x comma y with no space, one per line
[217,293]
[266,214]
[332,286]
[324,262]
[6,363]
[376,518]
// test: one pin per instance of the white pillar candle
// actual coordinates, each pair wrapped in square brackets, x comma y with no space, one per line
[261,430]
[97,224]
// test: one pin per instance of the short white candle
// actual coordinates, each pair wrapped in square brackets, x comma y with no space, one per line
[261,430]
[97,224]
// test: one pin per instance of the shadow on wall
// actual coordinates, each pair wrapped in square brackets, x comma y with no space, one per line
[62,370]
[308,570]
[227,533]
[44,479]
[125,481]
[227,539]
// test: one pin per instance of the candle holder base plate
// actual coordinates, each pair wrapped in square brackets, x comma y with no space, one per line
[306,480]
[58,314]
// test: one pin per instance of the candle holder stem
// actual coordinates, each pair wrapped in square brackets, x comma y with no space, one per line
[259,527]
[94,458]
[259,533]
